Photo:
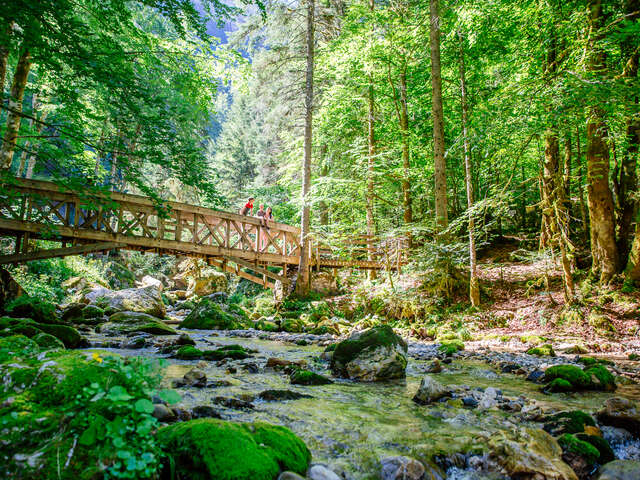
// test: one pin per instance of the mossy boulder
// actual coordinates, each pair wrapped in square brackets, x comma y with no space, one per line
[26,306]
[307,377]
[210,448]
[136,322]
[92,311]
[48,342]
[188,352]
[542,351]
[450,347]
[572,374]
[601,378]
[266,325]
[597,377]
[292,325]
[373,355]
[572,444]
[621,413]
[209,315]
[606,452]
[144,300]
[572,421]
[69,336]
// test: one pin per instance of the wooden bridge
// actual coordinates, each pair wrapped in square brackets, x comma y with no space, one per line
[86,223]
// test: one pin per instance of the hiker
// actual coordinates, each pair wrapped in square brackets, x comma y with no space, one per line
[265,216]
[260,214]
[248,207]
[268,217]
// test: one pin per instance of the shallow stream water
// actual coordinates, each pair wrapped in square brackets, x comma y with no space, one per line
[351,426]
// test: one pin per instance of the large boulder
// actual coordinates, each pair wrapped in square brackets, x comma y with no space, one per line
[529,453]
[210,281]
[210,315]
[145,300]
[69,336]
[620,470]
[212,448]
[26,306]
[430,391]
[621,413]
[373,355]
[136,322]
[149,281]
[119,276]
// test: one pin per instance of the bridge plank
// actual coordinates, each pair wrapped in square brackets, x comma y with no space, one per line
[57,252]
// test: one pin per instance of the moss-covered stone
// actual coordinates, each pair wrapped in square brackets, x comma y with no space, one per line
[266,325]
[209,315]
[559,385]
[601,378]
[292,325]
[26,306]
[48,342]
[136,322]
[572,421]
[92,311]
[69,336]
[578,379]
[542,351]
[451,347]
[606,452]
[570,443]
[307,377]
[375,354]
[188,352]
[210,448]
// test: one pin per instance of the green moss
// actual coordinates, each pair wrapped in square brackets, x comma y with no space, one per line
[48,342]
[266,326]
[154,328]
[292,325]
[188,352]
[265,306]
[570,443]
[578,379]
[92,311]
[235,352]
[606,452]
[321,330]
[34,308]
[331,348]
[11,347]
[542,351]
[69,336]
[210,448]
[633,356]
[605,379]
[382,335]
[451,347]
[572,421]
[208,315]
[559,385]
[307,377]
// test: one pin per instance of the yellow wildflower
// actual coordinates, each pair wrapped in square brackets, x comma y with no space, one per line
[96,357]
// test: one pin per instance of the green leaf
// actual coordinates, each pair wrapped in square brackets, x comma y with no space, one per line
[118,394]
[144,406]
[170,396]
[88,437]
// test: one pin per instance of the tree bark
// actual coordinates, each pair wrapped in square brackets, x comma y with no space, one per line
[439,164]
[4,60]
[583,210]
[628,181]
[302,283]
[323,209]
[371,141]
[15,109]
[406,166]
[474,287]
[599,194]
[25,151]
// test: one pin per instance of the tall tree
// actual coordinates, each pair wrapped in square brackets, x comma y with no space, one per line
[371,154]
[302,284]
[14,115]
[439,163]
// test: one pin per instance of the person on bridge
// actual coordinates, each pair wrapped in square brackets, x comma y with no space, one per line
[248,207]
[260,214]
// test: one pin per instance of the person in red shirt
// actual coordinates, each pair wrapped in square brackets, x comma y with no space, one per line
[248,207]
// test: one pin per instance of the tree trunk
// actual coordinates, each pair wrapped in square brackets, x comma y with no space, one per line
[25,151]
[627,202]
[439,164]
[302,284]
[31,164]
[474,287]
[371,140]
[4,59]
[583,210]
[15,109]
[406,166]
[598,192]
[323,209]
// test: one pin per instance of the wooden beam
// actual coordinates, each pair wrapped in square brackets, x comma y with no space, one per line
[236,271]
[57,252]
[257,269]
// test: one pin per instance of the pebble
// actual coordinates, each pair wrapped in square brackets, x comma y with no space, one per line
[321,472]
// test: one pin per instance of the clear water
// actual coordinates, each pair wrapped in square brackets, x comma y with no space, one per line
[351,426]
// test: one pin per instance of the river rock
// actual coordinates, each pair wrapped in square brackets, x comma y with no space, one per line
[373,355]
[320,472]
[527,452]
[621,413]
[430,391]
[193,378]
[145,300]
[205,411]
[210,315]
[401,468]
[136,322]
[149,281]
[620,470]
[164,413]
[210,281]
[290,476]
[280,395]
[233,403]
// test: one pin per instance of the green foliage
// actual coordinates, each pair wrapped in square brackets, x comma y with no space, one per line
[25,306]
[69,336]
[97,411]
[210,448]
[451,347]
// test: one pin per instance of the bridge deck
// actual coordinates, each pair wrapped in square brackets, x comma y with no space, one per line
[39,209]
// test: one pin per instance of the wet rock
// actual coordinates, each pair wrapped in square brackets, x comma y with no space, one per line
[219,383]
[182,414]
[233,403]
[536,376]
[135,343]
[490,398]
[205,411]
[621,413]
[251,367]
[164,413]
[136,322]
[280,395]
[373,355]
[72,312]
[430,391]
[401,468]
[510,367]
[149,281]
[290,476]
[281,363]
[321,472]
[184,339]
[193,378]
[434,367]
[145,300]
[210,281]
[307,377]
[527,452]
[210,315]
[470,402]
[619,470]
